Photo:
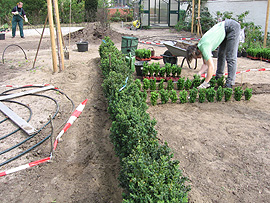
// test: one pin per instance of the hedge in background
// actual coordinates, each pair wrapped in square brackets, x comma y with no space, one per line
[148,173]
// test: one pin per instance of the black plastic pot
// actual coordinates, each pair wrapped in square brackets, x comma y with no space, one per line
[239,53]
[244,53]
[2,36]
[139,67]
[82,46]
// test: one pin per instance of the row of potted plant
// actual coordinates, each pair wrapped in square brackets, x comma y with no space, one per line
[181,83]
[154,70]
[200,95]
[143,54]
[148,173]
[259,53]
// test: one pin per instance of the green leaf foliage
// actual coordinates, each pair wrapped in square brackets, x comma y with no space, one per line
[220,94]
[153,84]
[170,85]
[146,84]
[183,96]
[173,96]
[210,94]
[202,95]
[148,172]
[180,83]
[164,96]
[154,97]
[228,93]
[188,84]
[161,84]
[238,93]
[248,93]
[193,95]
[196,81]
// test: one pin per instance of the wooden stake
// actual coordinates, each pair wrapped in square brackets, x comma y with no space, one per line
[192,21]
[266,24]
[60,47]
[40,41]
[50,16]
[199,16]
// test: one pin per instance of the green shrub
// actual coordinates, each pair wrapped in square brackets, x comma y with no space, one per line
[148,173]
[138,83]
[178,71]
[174,70]
[220,81]
[248,93]
[151,69]
[170,85]
[228,93]
[193,95]
[168,68]
[153,85]
[164,96]
[154,98]
[238,92]
[173,96]
[213,82]
[202,95]
[145,69]
[161,84]
[146,84]
[180,83]
[210,94]
[196,81]
[183,96]
[220,93]
[162,71]
[188,84]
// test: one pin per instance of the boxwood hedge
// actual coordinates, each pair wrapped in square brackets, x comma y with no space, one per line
[148,171]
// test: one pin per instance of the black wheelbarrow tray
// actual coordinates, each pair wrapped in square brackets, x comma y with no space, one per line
[170,55]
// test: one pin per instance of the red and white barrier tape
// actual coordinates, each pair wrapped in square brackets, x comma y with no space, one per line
[71,120]
[17,86]
[245,71]
[24,166]
[161,44]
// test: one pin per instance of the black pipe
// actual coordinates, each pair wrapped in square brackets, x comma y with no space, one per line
[10,46]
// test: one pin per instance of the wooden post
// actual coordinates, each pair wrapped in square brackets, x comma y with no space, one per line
[62,67]
[50,16]
[192,21]
[266,24]
[199,16]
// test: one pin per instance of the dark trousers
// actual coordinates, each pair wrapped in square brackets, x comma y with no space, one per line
[228,51]
[17,19]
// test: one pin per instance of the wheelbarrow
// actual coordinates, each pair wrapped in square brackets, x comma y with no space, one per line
[170,55]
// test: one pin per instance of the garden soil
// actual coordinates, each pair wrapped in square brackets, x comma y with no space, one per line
[223,147]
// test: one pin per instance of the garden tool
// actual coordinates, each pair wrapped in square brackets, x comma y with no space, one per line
[26,20]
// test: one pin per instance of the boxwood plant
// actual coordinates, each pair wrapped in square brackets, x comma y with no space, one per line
[148,172]
[173,96]
[248,93]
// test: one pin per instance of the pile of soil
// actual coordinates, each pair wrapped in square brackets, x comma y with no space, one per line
[93,33]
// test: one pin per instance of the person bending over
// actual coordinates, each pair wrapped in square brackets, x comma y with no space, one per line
[224,34]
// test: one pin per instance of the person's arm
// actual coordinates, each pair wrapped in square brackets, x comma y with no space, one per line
[14,12]
[23,13]
[210,70]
